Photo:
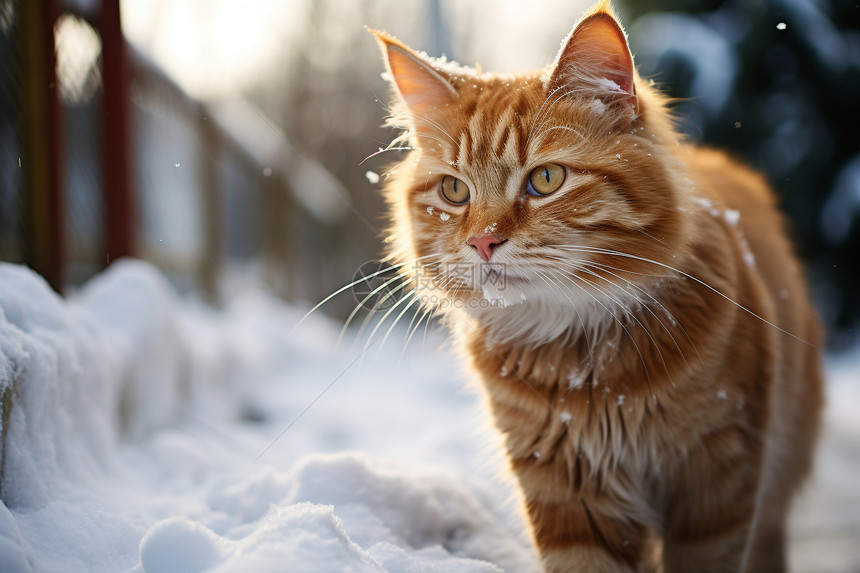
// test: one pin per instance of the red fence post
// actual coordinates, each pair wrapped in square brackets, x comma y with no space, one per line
[42,143]
[120,206]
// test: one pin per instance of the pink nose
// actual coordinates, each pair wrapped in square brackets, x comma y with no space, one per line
[485,244]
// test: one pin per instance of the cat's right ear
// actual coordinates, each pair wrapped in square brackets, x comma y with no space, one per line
[596,58]
[421,87]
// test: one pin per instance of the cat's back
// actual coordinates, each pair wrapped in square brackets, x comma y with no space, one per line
[738,210]
[737,207]
[741,201]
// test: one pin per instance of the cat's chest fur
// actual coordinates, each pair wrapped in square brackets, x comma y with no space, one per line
[616,408]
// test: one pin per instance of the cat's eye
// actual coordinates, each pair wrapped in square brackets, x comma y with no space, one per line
[454,190]
[545,179]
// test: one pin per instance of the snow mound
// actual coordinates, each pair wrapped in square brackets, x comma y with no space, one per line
[179,545]
[15,553]
[135,307]
[134,427]
[58,392]
[343,510]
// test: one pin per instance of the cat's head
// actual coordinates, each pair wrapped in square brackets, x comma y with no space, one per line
[520,190]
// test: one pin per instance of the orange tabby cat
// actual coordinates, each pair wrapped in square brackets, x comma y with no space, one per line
[630,302]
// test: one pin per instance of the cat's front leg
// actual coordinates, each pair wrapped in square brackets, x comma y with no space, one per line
[709,524]
[582,560]
[586,536]
[721,552]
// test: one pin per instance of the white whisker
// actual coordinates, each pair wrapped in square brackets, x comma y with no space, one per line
[361,280]
[575,308]
[675,321]
[363,301]
[411,296]
[630,313]
[583,249]
[376,308]
[617,320]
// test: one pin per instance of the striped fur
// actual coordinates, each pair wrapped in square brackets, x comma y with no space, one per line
[643,334]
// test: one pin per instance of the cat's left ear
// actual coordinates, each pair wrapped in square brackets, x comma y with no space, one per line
[596,58]
[421,87]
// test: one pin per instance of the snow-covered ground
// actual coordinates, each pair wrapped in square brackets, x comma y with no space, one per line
[142,432]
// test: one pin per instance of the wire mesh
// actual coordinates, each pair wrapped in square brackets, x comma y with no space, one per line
[168,167]
[200,193]
[12,208]
[78,48]
[241,208]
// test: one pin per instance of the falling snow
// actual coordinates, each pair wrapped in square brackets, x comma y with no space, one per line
[722,395]
[444,216]
[566,417]
[430,209]
[373,177]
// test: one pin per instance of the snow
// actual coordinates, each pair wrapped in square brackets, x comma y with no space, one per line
[609,86]
[577,378]
[148,433]
[598,106]
[708,206]
[153,434]
[732,216]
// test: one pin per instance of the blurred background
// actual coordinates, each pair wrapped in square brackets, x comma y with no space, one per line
[224,140]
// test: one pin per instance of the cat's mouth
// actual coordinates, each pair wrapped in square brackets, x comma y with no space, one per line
[499,275]
[499,281]
[493,274]
[494,281]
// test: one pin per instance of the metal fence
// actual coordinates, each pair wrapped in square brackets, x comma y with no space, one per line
[113,158]
[11,184]
[78,48]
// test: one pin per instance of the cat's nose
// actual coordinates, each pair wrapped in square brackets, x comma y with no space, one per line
[485,244]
